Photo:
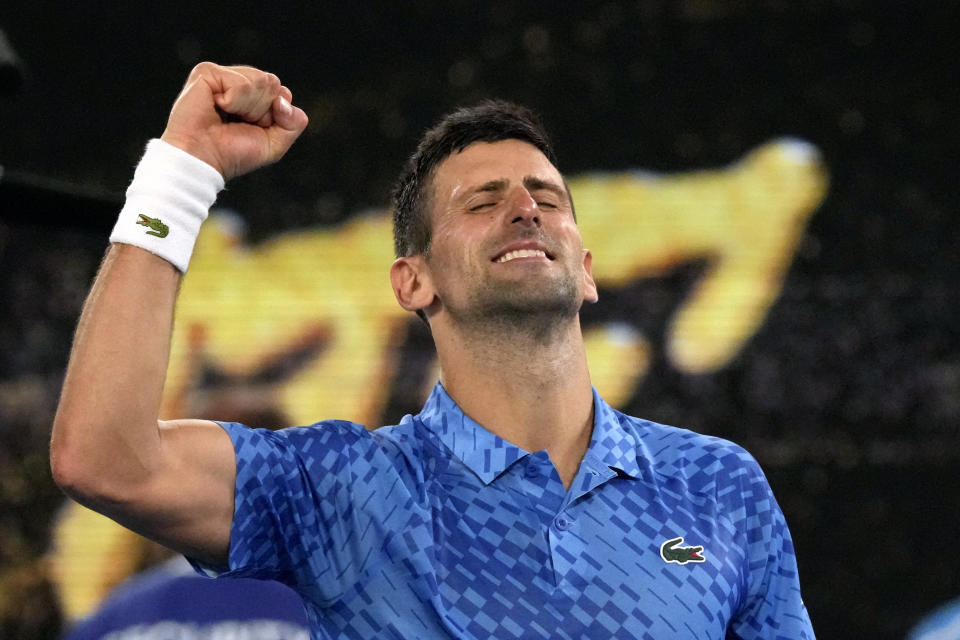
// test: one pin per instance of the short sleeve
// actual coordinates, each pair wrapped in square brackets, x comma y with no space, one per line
[310,504]
[773,607]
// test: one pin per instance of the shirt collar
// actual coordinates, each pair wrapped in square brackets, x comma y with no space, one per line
[488,455]
[611,444]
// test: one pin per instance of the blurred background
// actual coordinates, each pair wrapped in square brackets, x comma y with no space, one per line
[769,190]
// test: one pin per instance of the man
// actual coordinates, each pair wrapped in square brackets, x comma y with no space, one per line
[517,504]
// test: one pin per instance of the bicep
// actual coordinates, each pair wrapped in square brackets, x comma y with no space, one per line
[187,503]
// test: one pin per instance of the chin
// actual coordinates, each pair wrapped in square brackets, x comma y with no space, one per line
[538,303]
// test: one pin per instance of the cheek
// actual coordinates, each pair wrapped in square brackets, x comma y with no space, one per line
[458,243]
[449,256]
[441,236]
[445,231]
[571,238]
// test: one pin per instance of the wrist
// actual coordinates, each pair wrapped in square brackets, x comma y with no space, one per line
[193,148]
[167,201]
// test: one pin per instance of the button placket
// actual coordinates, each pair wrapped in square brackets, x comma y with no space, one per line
[565,546]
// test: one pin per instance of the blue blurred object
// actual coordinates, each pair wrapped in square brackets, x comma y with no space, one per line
[941,624]
[171,601]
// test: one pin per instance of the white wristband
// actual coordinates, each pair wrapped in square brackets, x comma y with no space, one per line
[169,198]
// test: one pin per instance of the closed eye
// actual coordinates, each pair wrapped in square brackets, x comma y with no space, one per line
[480,206]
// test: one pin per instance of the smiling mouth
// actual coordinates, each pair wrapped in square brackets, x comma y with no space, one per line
[523,253]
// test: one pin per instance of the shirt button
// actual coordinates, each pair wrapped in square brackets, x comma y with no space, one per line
[563,523]
[532,471]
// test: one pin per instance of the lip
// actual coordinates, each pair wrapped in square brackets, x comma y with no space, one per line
[523,244]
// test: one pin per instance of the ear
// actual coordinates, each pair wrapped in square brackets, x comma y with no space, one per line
[411,283]
[589,286]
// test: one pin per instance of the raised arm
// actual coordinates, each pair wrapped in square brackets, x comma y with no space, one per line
[171,481]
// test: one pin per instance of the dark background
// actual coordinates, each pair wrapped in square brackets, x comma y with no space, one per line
[849,395]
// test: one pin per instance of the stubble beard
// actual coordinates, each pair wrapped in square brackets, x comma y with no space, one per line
[534,310]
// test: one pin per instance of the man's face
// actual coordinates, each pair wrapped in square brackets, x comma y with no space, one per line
[504,244]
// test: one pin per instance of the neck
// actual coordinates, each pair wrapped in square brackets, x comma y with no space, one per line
[530,388]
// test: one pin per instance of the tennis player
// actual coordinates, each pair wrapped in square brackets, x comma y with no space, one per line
[517,504]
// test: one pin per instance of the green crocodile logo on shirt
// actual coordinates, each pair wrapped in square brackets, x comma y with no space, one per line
[670,551]
[157,228]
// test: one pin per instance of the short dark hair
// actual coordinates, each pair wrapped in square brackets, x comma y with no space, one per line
[488,121]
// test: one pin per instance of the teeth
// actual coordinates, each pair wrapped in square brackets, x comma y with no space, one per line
[522,253]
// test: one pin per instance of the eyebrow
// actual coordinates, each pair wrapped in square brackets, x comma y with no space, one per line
[493,185]
[532,183]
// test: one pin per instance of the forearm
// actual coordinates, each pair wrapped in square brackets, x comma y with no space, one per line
[106,439]
[173,481]
[107,417]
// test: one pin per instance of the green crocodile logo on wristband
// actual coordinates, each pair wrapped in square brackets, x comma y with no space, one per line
[157,228]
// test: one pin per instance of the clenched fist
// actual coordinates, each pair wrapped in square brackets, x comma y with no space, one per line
[235,119]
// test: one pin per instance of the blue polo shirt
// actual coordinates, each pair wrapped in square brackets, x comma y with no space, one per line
[437,528]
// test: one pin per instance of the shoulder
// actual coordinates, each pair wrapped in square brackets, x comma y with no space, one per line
[329,448]
[702,463]
[242,435]
[319,433]
[315,442]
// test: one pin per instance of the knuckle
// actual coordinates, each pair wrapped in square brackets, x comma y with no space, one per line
[202,68]
[267,82]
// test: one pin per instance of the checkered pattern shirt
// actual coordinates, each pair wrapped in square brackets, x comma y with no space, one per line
[437,528]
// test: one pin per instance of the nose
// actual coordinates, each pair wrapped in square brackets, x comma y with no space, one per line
[524,209]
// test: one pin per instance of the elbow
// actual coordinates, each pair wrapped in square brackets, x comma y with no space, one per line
[67,468]
[76,468]
[84,483]
[66,456]
[94,471]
